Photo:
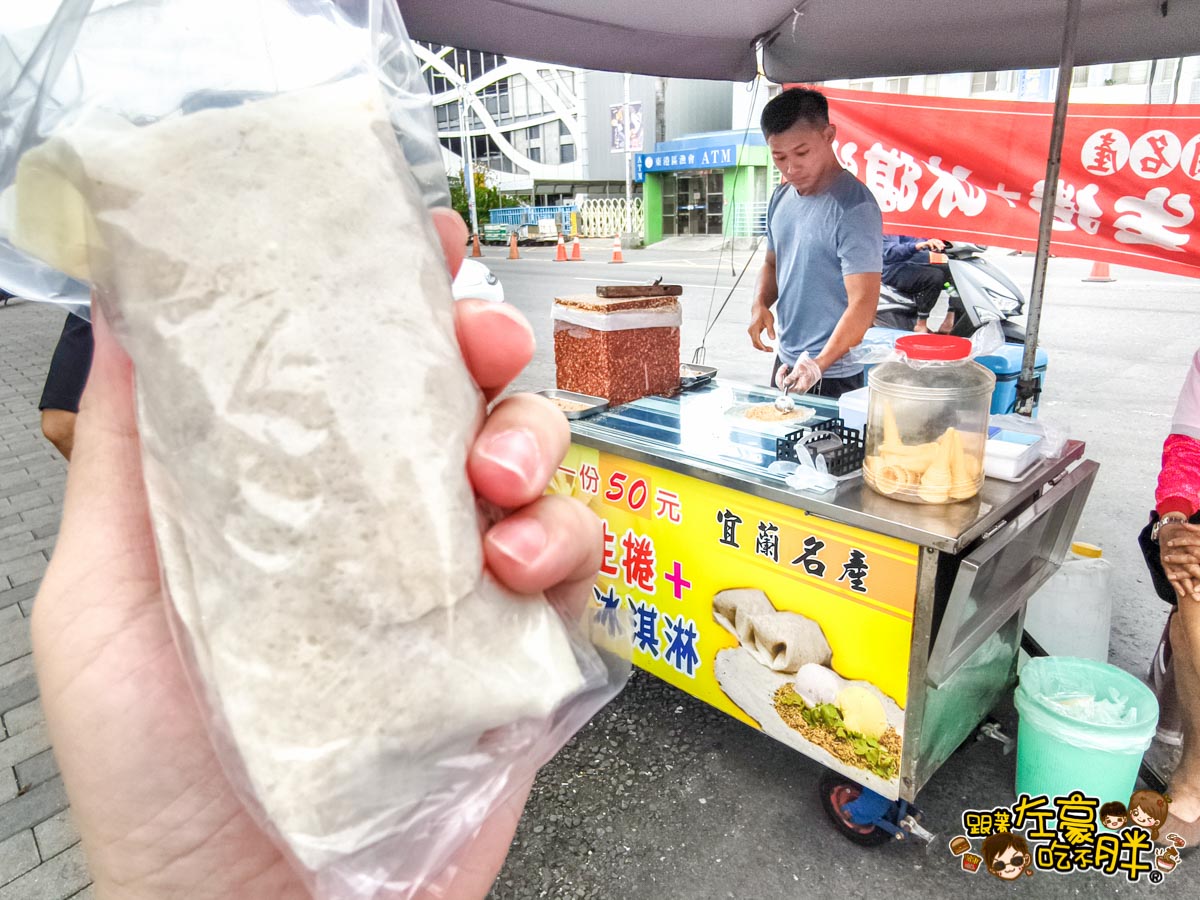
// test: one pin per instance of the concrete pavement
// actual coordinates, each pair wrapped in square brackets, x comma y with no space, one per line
[40,856]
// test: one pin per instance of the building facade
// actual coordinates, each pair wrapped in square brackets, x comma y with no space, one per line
[545,131]
[705,185]
[1175,80]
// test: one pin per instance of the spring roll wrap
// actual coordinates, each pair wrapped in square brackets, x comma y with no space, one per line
[305,416]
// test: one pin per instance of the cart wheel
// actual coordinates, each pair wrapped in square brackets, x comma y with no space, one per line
[836,792]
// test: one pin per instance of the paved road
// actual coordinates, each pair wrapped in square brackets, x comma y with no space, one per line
[660,797]
[40,856]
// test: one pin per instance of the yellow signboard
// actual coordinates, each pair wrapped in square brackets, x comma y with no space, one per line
[794,624]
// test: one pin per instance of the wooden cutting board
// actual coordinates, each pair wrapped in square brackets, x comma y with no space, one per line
[639,290]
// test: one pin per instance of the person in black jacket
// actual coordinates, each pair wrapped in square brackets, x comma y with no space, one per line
[907,268]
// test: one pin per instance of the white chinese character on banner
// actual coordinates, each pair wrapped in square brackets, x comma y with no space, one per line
[1009,197]
[892,176]
[674,160]
[1155,154]
[1105,152]
[691,159]
[1147,220]
[953,191]
[1071,203]
[845,155]
[1189,160]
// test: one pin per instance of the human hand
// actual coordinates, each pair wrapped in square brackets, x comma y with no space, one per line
[761,319]
[156,813]
[1179,551]
[932,244]
[799,378]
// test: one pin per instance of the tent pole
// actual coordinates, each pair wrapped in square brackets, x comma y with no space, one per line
[1027,385]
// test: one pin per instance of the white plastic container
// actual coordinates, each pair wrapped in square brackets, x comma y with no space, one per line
[1009,454]
[852,408]
[1071,614]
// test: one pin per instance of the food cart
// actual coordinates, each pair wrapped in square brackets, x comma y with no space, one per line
[872,606]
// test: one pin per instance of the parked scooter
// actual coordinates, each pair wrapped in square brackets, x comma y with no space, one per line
[978,293]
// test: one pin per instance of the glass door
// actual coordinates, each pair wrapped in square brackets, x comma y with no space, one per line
[714,214]
[669,194]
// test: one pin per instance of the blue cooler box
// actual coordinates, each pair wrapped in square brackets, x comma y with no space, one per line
[1006,363]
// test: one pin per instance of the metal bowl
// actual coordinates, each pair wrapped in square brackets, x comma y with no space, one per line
[592,405]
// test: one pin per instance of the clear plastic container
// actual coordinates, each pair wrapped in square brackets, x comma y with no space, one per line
[927,420]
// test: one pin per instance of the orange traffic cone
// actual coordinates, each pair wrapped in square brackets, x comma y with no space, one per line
[1099,273]
[576,250]
[616,250]
[512,246]
[561,254]
[475,251]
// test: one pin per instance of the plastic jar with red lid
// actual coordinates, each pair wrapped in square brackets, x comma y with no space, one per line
[927,421]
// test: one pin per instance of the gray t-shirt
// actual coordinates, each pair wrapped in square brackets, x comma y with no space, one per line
[818,240]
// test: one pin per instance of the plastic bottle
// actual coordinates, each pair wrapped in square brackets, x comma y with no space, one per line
[1071,614]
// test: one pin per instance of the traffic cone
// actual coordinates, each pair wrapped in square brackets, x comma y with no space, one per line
[512,246]
[561,254]
[576,250]
[616,255]
[475,251]
[1099,273]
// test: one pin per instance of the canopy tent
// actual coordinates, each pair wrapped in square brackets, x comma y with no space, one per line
[819,40]
[807,40]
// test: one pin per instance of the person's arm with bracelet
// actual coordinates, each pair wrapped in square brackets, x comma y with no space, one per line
[1177,497]
[1177,500]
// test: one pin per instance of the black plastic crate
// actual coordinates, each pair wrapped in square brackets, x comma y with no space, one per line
[843,460]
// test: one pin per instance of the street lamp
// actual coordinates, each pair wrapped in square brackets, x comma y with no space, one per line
[468,166]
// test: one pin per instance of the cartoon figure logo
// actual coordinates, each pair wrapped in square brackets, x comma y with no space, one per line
[1006,855]
[1149,810]
[1113,816]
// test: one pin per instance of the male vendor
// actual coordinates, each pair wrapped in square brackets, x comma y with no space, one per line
[824,253]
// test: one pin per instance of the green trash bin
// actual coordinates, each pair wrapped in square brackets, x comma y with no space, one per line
[1065,744]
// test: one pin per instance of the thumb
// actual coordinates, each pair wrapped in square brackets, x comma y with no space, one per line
[106,525]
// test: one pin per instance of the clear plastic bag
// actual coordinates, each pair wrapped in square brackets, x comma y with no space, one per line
[193,55]
[245,191]
[1054,434]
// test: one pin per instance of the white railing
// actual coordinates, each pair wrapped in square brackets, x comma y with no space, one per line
[605,217]
[746,219]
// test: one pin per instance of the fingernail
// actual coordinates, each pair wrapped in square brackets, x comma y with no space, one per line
[521,540]
[515,451]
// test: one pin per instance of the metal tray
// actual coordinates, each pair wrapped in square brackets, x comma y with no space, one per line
[704,374]
[594,404]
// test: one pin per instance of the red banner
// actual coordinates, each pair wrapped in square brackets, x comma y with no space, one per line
[1128,192]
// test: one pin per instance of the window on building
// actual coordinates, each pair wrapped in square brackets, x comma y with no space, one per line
[566,153]
[1079,76]
[1164,70]
[897,85]
[1130,73]
[535,154]
[867,84]
[982,82]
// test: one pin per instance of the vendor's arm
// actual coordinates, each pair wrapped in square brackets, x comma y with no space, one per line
[862,294]
[765,295]
[860,244]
